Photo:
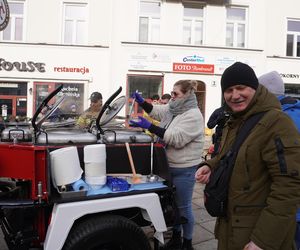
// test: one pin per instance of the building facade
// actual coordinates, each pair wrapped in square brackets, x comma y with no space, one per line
[144,45]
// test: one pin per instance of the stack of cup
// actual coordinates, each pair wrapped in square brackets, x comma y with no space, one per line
[95,165]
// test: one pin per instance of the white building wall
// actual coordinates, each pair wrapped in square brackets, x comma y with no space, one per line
[113,51]
[214,26]
[277,13]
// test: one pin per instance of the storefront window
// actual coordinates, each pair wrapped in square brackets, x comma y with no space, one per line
[74,95]
[13,101]
[146,85]
[292,90]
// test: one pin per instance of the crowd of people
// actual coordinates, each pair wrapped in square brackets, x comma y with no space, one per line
[262,190]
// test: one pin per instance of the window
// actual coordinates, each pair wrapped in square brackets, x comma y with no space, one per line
[75,24]
[293,38]
[74,93]
[149,21]
[15,28]
[146,85]
[235,27]
[13,100]
[292,90]
[192,26]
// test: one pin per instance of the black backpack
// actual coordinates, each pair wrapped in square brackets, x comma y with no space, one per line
[216,190]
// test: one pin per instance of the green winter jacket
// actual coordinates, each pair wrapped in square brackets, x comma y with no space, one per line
[265,183]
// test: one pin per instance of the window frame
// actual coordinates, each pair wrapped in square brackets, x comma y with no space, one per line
[151,21]
[74,24]
[193,26]
[150,91]
[12,20]
[295,35]
[236,24]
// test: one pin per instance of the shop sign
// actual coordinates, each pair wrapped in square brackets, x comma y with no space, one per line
[196,68]
[22,66]
[4,14]
[81,70]
[8,85]
[193,59]
[293,76]
[70,91]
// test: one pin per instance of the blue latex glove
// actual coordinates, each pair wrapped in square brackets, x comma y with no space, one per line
[139,99]
[142,123]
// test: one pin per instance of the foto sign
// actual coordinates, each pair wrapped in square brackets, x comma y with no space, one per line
[4,14]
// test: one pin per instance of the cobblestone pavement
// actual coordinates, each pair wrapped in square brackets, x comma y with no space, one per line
[203,238]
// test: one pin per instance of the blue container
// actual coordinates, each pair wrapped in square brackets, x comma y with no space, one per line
[117,184]
[297,236]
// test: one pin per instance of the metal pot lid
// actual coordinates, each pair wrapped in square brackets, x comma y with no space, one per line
[36,120]
[69,122]
[50,110]
[112,110]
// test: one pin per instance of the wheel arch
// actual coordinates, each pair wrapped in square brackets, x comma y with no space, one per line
[64,215]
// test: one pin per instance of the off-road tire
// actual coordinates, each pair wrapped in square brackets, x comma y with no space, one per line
[109,232]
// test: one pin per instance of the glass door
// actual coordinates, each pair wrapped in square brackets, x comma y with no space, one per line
[21,107]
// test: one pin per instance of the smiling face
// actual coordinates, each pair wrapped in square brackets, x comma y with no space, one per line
[238,97]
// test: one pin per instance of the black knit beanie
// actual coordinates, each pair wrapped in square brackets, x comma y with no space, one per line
[239,73]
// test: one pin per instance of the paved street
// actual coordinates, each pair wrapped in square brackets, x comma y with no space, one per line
[203,238]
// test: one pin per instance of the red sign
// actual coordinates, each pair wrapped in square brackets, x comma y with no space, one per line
[197,68]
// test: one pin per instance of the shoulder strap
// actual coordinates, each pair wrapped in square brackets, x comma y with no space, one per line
[245,129]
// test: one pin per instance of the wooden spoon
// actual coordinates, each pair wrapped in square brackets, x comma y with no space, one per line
[135,179]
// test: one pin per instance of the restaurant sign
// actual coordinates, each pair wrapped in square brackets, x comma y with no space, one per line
[22,66]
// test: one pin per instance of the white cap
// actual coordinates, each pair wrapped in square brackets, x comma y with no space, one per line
[273,82]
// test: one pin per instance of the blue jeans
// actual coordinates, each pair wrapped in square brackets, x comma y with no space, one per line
[184,181]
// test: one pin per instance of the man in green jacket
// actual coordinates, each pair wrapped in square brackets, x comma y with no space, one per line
[265,184]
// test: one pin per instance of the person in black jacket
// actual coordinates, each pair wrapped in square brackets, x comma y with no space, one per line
[217,119]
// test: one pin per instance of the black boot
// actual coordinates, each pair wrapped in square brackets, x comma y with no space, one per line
[174,243]
[187,244]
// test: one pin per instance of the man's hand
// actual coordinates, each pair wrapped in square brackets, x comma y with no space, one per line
[142,123]
[139,99]
[251,246]
[202,174]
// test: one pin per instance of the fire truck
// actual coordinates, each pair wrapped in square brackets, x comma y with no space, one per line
[35,213]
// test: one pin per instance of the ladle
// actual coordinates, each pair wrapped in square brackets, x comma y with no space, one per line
[151,177]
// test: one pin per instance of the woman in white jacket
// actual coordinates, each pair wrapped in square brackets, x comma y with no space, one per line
[181,130]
